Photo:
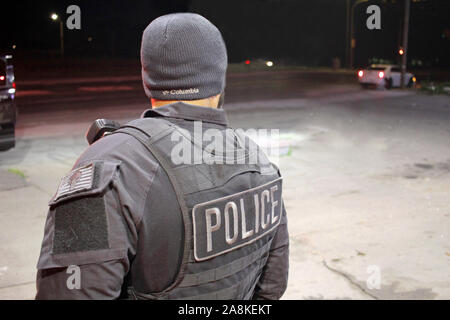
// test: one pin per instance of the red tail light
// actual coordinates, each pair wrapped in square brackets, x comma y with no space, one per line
[381,74]
[360,73]
[2,78]
[14,85]
[247,61]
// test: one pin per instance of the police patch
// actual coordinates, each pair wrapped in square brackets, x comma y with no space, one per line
[231,222]
[80,179]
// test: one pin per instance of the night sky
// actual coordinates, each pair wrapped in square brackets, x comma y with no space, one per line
[290,31]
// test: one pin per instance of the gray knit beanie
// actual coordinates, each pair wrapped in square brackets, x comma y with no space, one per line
[183,57]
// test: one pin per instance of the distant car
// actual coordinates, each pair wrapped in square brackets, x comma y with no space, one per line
[384,75]
[8,110]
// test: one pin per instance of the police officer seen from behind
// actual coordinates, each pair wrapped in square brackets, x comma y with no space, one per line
[151,211]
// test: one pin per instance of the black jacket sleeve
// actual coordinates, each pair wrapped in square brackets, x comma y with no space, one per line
[274,278]
[91,235]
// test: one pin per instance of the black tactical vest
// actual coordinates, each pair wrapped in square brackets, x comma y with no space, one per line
[230,211]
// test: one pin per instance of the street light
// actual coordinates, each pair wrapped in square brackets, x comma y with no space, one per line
[405,43]
[55,17]
[352,39]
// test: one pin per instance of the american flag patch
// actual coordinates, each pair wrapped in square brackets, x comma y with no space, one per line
[78,180]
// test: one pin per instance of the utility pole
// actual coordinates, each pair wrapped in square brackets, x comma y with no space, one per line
[55,17]
[405,43]
[61,35]
[352,31]
[347,33]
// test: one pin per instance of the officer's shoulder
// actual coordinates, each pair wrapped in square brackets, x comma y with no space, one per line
[119,142]
[109,147]
[97,167]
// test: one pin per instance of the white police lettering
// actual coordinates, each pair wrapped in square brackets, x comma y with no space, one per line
[245,233]
[247,216]
[265,194]
[274,204]
[209,227]
[231,205]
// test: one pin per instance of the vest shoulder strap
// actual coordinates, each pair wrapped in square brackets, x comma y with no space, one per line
[146,140]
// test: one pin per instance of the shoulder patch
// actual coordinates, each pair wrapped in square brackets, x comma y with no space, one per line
[87,180]
[81,179]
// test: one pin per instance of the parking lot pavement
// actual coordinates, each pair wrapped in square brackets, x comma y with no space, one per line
[23,207]
[366,186]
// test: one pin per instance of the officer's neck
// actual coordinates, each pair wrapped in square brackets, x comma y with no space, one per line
[211,102]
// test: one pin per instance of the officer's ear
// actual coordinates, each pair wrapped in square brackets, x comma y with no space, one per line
[221,100]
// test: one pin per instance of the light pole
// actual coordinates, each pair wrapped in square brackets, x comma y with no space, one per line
[352,39]
[347,32]
[55,17]
[405,44]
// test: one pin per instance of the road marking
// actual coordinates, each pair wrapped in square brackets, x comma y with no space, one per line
[79,80]
[26,93]
[363,95]
[105,88]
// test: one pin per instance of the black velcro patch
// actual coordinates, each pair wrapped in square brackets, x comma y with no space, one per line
[81,225]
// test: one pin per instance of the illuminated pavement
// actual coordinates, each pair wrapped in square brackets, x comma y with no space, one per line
[367,178]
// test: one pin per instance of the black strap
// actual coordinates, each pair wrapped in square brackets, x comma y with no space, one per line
[200,278]
[146,141]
